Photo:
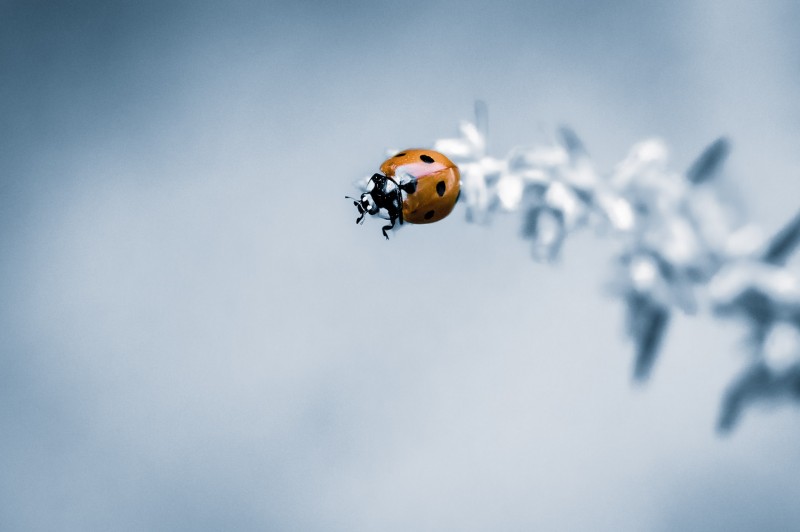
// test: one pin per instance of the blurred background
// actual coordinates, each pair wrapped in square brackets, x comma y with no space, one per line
[194,335]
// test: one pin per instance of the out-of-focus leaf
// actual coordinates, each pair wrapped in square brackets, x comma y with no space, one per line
[708,164]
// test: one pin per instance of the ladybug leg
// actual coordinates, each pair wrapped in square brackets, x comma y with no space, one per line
[394,216]
[385,227]
[397,206]
[360,210]
[395,209]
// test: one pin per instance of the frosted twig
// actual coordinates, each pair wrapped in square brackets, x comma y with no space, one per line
[683,241]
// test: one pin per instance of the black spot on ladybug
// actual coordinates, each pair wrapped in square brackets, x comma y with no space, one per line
[426,158]
[399,154]
[409,187]
[440,188]
[429,215]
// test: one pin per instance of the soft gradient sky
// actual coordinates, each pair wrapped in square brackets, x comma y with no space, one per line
[194,335]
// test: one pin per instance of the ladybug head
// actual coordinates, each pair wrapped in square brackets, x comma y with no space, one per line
[366,205]
[382,197]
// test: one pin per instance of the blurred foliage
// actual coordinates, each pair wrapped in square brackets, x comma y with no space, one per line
[685,244]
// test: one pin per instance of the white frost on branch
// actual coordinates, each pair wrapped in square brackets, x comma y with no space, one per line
[684,240]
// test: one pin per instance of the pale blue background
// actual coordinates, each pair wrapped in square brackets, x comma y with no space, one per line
[194,335]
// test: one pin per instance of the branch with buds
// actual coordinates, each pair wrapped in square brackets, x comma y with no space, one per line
[684,239]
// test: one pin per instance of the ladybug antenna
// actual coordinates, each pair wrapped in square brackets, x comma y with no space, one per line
[361,210]
[357,203]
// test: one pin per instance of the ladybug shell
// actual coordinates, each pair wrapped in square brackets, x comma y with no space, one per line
[437,184]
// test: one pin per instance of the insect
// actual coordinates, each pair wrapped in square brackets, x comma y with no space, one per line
[414,186]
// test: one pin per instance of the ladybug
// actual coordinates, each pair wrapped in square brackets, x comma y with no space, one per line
[414,186]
